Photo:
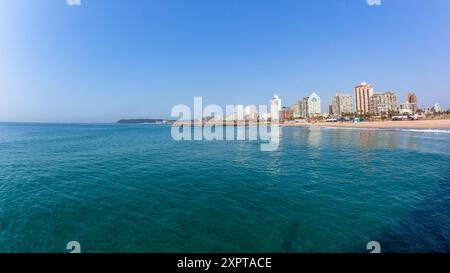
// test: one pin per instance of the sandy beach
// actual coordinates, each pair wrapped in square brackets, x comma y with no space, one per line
[440,124]
[410,124]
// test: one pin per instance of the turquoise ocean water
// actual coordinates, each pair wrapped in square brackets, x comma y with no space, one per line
[132,188]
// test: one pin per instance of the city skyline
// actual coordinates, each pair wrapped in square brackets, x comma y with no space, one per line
[107,60]
[378,104]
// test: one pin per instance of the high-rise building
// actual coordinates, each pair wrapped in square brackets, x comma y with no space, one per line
[363,93]
[342,104]
[384,103]
[330,109]
[275,107]
[310,106]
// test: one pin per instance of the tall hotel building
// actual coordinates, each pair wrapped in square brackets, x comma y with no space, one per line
[363,94]
[314,105]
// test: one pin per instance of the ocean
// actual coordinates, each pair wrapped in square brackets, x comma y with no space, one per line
[132,188]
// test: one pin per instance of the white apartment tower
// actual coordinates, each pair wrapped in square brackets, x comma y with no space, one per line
[275,107]
[314,105]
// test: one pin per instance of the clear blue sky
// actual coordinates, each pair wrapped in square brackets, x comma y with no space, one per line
[112,59]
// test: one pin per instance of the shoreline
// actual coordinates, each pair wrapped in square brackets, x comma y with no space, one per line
[443,124]
[410,124]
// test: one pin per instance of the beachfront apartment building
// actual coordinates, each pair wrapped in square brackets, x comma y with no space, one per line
[363,94]
[342,104]
[383,103]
